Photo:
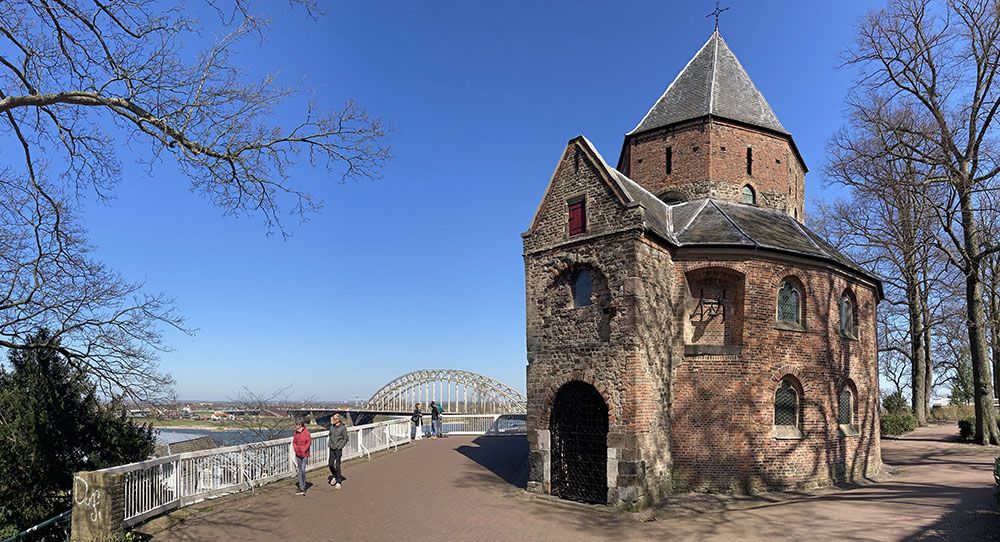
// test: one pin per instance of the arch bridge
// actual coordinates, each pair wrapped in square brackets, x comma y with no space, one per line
[458,392]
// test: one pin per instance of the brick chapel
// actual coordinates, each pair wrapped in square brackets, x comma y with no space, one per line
[685,330]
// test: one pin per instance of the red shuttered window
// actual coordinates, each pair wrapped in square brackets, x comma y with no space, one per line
[577,218]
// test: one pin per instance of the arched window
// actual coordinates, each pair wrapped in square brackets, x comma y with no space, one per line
[786,405]
[582,288]
[789,303]
[747,195]
[846,316]
[845,413]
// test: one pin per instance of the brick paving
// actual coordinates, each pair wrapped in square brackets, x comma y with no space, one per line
[465,488]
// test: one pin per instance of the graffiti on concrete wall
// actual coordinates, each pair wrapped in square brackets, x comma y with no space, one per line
[84,497]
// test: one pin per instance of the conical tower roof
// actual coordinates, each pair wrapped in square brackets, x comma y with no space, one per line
[713,83]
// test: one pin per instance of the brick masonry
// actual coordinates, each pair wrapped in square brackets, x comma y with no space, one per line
[709,161]
[690,395]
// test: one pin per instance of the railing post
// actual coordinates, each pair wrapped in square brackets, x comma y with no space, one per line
[242,476]
[178,481]
[98,506]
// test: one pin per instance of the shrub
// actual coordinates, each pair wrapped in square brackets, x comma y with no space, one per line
[895,403]
[898,423]
[952,413]
[996,477]
[966,428]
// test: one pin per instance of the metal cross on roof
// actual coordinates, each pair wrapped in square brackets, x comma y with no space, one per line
[717,12]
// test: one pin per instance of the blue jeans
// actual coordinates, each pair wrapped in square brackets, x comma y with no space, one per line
[300,466]
[437,428]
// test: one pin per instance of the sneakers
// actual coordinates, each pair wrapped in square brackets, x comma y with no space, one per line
[333,482]
[300,492]
[336,486]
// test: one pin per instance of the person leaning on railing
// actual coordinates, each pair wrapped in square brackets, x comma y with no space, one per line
[436,420]
[301,443]
[416,419]
[337,440]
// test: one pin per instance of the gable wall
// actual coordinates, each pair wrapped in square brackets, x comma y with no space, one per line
[598,344]
[577,176]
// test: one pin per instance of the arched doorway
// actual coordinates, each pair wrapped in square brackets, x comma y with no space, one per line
[579,432]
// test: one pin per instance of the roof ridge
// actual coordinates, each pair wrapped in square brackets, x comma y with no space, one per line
[608,169]
[715,71]
[670,86]
[693,216]
[755,87]
[809,237]
[733,222]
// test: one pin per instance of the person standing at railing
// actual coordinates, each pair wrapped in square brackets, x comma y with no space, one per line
[338,439]
[416,420]
[301,443]
[436,420]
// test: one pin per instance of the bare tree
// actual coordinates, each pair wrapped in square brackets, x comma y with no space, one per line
[886,230]
[267,423]
[104,325]
[80,79]
[927,75]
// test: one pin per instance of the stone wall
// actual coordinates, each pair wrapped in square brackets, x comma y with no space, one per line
[98,506]
[598,343]
[709,161]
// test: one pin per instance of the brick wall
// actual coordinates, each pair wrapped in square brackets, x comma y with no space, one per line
[723,406]
[689,408]
[709,161]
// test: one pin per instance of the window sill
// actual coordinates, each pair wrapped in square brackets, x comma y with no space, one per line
[712,350]
[850,337]
[849,430]
[783,432]
[789,326]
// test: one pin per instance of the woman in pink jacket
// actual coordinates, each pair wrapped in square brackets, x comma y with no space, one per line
[301,443]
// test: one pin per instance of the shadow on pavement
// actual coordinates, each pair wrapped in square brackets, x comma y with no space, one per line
[505,456]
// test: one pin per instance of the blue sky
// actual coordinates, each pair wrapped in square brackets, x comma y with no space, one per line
[423,268]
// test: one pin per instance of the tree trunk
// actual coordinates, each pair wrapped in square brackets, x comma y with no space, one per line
[918,361]
[982,384]
[928,352]
[994,296]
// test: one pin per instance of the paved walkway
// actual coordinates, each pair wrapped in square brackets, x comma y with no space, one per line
[464,488]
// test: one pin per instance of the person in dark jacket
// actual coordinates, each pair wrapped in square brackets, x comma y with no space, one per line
[436,419]
[416,420]
[301,443]
[338,439]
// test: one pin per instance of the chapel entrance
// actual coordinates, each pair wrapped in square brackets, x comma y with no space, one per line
[579,437]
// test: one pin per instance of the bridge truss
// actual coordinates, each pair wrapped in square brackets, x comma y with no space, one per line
[458,392]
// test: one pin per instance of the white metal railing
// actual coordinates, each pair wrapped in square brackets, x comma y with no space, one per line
[478,424]
[155,486]
[158,485]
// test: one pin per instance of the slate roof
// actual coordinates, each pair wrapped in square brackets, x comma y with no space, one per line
[713,83]
[714,223]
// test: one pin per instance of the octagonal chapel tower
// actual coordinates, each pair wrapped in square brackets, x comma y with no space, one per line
[713,135]
[685,329]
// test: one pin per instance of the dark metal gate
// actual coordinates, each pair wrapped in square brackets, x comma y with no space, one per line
[579,437]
